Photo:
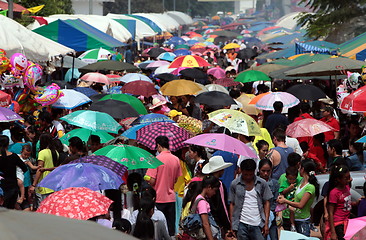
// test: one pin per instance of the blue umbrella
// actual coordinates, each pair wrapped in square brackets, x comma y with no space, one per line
[144,64]
[131,132]
[176,41]
[86,175]
[115,90]
[168,56]
[86,91]
[182,52]
[192,42]
[151,118]
[68,74]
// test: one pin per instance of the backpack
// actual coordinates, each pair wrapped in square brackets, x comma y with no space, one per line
[192,224]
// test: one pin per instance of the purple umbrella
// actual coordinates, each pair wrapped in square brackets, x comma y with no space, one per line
[86,175]
[222,142]
[104,162]
[157,64]
[7,115]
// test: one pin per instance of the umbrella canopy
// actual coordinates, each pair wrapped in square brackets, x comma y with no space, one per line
[131,133]
[252,76]
[157,64]
[151,118]
[193,73]
[167,76]
[155,52]
[96,77]
[87,175]
[130,77]
[104,161]
[84,135]
[181,46]
[76,202]
[267,68]
[147,135]
[133,101]
[356,229]
[231,46]
[255,99]
[7,115]
[116,109]
[356,101]
[110,65]
[214,98]
[266,102]
[71,99]
[225,33]
[130,156]
[182,52]
[95,55]
[164,69]
[306,92]
[217,72]
[222,142]
[189,61]
[167,56]
[72,73]
[307,127]
[86,91]
[235,121]
[248,108]
[226,82]
[216,87]
[92,120]
[180,88]
[140,87]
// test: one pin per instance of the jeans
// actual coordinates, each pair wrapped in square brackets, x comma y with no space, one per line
[169,212]
[303,227]
[248,232]
[273,233]
[10,197]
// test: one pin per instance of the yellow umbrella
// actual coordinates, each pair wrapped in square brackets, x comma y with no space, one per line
[180,87]
[249,109]
[215,18]
[231,46]
[210,39]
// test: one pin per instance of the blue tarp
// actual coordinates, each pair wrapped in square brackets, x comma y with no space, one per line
[286,38]
[361,56]
[306,48]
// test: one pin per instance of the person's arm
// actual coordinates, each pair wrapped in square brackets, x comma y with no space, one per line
[300,205]
[267,206]
[331,209]
[37,176]
[326,215]
[231,211]
[206,226]
[32,166]
[19,163]
[288,189]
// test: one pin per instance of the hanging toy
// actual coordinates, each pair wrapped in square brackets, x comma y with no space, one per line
[19,64]
[50,95]
[9,81]
[4,63]
[32,75]
[2,53]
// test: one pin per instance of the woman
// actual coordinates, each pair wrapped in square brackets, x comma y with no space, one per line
[355,161]
[304,197]
[263,148]
[199,155]
[8,163]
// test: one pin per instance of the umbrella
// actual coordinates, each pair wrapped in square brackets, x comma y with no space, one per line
[95,55]
[155,52]
[113,77]
[92,120]
[267,68]
[164,69]
[167,56]
[7,115]
[19,225]
[176,41]
[144,64]
[130,156]
[104,161]
[356,101]
[157,64]
[235,121]
[96,77]
[147,135]
[180,88]
[181,46]
[76,202]
[307,127]
[214,98]
[231,46]
[72,73]
[140,87]
[255,99]
[132,131]
[151,118]
[110,65]
[166,76]
[71,99]
[193,73]
[189,61]
[266,102]
[356,229]
[182,52]
[116,109]
[216,87]
[133,101]
[252,76]
[217,72]
[88,175]
[222,142]
[306,92]
[84,135]
[130,77]
[248,108]
[225,33]
[177,70]
[86,91]
[226,82]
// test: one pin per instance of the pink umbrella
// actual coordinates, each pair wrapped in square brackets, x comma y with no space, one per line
[307,127]
[197,53]
[266,102]
[356,229]
[96,77]
[176,71]
[157,64]
[222,142]
[216,72]
[213,46]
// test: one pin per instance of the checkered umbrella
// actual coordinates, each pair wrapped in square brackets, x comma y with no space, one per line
[146,135]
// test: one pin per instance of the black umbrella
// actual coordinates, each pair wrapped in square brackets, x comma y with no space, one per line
[110,65]
[155,52]
[193,73]
[61,84]
[214,98]
[117,109]
[247,53]
[166,77]
[97,97]
[306,92]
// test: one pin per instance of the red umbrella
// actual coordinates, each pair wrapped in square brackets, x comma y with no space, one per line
[189,61]
[140,87]
[356,101]
[75,202]
[307,127]
[226,82]
[96,77]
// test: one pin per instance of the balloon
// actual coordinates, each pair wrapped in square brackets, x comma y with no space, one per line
[2,53]
[32,75]
[21,96]
[19,64]
[50,95]
[9,81]
[4,63]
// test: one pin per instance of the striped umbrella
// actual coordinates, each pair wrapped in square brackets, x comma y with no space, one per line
[189,61]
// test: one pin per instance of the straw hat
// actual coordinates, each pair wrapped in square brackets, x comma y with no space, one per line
[215,164]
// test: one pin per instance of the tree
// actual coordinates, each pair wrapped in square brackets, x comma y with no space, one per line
[51,6]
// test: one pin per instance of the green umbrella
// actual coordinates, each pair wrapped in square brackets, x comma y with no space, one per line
[130,156]
[95,121]
[182,46]
[84,135]
[94,55]
[133,101]
[109,65]
[252,76]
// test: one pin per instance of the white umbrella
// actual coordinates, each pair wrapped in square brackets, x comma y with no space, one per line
[164,69]
[71,99]
[130,77]
[216,87]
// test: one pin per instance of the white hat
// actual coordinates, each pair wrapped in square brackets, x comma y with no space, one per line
[156,103]
[215,164]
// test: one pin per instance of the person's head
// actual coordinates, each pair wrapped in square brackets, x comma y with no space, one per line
[122,225]
[304,107]
[278,106]
[162,142]
[319,139]
[197,152]
[173,100]
[30,132]
[327,111]
[263,148]
[210,185]
[355,147]
[47,142]
[17,134]
[291,174]
[26,151]
[293,160]
[307,169]
[304,147]
[76,145]
[235,93]
[265,168]
[364,189]
[147,205]
[4,144]
[278,136]
[144,228]
[216,166]
[354,129]
[339,177]
[334,148]
[94,143]
[247,168]
[56,113]
[45,118]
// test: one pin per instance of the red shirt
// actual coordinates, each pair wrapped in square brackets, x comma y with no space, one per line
[319,153]
[309,140]
[334,124]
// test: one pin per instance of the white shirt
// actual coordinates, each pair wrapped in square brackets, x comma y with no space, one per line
[157,216]
[294,144]
[250,211]
[242,158]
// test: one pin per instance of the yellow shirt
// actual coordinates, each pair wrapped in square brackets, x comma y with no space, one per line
[183,180]
[265,136]
[46,156]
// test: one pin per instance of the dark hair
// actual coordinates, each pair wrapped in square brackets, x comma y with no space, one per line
[304,107]
[94,139]
[77,143]
[58,145]
[248,165]
[234,93]
[337,145]
[144,228]
[134,181]
[309,167]
[148,192]
[207,181]
[122,225]
[45,116]
[278,106]
[30,119]
[17,134]
[194,188]
[27,148]
[223,130]
[279,134]
[55,112]
[162,141]
[304,146]
[264,161]
[293,159]
[47,141]
[292,171]
[201,151]
[336,172]
[4,144]
[261,143]
[359,149]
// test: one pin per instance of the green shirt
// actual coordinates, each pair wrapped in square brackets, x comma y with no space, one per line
[304,213]
[282,181]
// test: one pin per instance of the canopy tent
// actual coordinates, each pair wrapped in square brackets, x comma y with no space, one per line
[18,39]
[285,39]
[306,48]
[285,53]
[186,18]
[154,26]
[78,35]
[166,23]
[67,62]
[130,25]
[288,21]
[352,47]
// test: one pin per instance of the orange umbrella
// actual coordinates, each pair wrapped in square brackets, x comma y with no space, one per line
[258,97]
[215,18]
[189,61]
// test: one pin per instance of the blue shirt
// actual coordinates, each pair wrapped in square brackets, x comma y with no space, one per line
[275,120]
[229,173]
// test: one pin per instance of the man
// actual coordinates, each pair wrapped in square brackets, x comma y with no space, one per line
[163,178]
[278,155]
[328,118]
[276,119]
[94,144]
[249,203]
[304,114]
[334,150]
[76,149]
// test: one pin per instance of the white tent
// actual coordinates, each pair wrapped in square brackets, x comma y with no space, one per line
[18,39]
[288,21]
[186,18]
[164,23]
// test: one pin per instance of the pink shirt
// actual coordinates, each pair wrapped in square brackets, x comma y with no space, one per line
[166,175]
[342,199]
[203,207]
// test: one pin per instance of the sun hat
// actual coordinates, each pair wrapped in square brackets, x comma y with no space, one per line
[215,164]
[156,102]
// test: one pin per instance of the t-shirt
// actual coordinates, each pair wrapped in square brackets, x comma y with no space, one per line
[342,199]
[203,207]
[304,213]
[45,155]
[229,172]
[8,166]
[334,124]
[250,211]
[283,183]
